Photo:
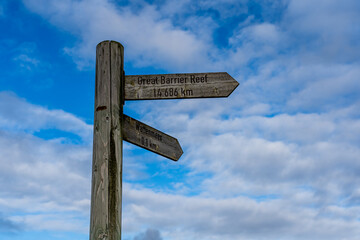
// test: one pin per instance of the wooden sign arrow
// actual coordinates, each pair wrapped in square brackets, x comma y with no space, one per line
[175,86]
[151,139]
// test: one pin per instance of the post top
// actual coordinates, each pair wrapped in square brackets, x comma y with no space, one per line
[110,41]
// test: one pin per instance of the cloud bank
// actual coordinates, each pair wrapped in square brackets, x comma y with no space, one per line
[276,160]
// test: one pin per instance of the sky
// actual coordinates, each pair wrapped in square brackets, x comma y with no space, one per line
[278,159]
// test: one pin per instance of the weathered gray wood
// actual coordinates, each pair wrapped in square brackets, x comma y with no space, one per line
[150,138]
[175,86]
[105,220]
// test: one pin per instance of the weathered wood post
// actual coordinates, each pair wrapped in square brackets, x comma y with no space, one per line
[106,191]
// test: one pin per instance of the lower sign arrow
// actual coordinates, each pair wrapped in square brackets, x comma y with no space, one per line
[151,139]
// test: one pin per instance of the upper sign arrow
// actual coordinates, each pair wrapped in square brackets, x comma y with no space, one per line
[175,86]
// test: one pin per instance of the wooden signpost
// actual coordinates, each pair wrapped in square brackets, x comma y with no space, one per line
[111,126]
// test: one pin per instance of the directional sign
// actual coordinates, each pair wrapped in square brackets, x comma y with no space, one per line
[174,86]
[151,139]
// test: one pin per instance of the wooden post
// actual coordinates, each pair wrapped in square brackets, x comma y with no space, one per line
[106,191]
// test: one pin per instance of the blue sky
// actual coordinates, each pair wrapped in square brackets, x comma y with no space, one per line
[278,159]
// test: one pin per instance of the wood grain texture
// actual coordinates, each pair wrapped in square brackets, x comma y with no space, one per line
[177,86]
[105,219]
[151,139]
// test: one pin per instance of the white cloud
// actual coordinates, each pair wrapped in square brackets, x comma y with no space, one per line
[53,222]
[7,225]
[302,159]
[26,62]
[340,88]
[17,114]
[258,35]
[143,32]
[149,234]
[235,218]
[41,175]
[327,26]
[25,57]
[46,175]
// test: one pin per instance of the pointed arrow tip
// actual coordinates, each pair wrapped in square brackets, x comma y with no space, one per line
[235,84]
[179,152]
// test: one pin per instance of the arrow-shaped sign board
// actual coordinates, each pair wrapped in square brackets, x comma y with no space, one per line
[151,139]
[175,86]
